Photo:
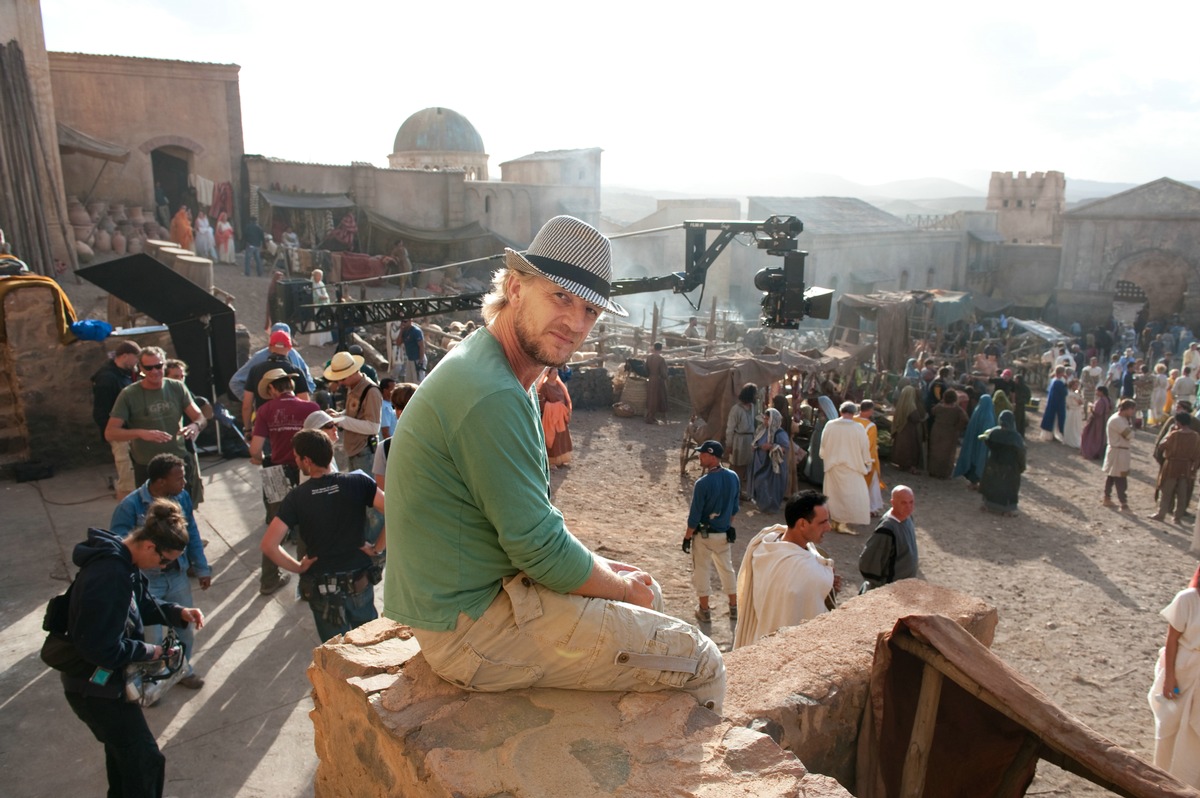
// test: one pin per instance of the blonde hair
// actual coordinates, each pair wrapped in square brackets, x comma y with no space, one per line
[497,299]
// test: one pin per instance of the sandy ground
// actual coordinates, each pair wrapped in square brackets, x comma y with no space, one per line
[1078,586]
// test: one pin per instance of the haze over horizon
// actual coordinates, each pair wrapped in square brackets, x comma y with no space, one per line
[705,97]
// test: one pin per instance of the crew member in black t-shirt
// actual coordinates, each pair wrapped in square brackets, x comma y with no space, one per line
[329,512]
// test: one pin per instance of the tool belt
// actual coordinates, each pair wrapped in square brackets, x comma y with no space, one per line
[344,583]
[327,594]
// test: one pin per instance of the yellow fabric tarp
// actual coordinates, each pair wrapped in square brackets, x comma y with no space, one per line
[65,314]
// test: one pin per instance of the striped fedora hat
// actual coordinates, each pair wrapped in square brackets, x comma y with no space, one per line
[573,254]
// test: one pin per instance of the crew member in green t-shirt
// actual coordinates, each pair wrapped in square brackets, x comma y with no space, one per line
[499,593]
[151,412]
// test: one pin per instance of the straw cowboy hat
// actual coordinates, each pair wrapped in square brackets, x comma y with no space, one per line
[342,366]
[265,382]
[574,255]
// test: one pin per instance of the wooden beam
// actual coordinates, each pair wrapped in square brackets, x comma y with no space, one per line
[1012,785]
[916,762]
[931,656]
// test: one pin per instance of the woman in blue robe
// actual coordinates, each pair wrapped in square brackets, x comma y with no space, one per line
[972,457]
[771,466]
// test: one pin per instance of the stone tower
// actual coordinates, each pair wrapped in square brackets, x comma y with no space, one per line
[1029,207]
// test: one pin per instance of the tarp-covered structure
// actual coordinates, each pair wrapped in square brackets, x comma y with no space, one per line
[947,717]
[842,359]
[713,386]
[311,216]
[450,245]
[888,313]
[1040,329]
[72,142]
[893,316]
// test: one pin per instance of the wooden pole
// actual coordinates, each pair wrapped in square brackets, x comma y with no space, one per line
[916,762]
[711,332]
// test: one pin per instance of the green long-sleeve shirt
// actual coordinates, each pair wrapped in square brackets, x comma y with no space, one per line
[468,494]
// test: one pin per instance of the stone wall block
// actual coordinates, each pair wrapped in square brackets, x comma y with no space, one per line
[387,725]
[52,381]
[807,685]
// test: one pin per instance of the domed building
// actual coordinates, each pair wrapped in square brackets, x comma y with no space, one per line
[440,139]
[436,194]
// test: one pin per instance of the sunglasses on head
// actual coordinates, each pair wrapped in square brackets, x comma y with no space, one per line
[155,367]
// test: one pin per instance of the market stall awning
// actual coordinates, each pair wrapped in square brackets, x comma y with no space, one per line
[1040,329]
[71,141]
[408,233]
[950,306]
[305,202]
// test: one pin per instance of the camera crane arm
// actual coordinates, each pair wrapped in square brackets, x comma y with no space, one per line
[785,299]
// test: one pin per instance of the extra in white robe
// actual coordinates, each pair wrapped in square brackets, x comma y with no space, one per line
[1177,722]
[846,453]
[780,584]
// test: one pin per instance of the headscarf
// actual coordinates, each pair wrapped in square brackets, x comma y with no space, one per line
[827,407]
[773,425]
[1001,402]
[1005,433]
[905,406]
[910,369]
[973,455]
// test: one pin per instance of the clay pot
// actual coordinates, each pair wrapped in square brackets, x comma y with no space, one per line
[82,231]
[97,209]
[151,228]
[79,216]
[118,243]
[103,241]
[134,245]
[84,252]
[135,215]
[107,225]
[117,212]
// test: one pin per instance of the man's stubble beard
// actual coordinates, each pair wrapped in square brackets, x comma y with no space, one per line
[529,345]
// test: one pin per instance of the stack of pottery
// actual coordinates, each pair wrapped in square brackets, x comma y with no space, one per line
[117,212]
[118,243]
[80,220]
[135,215]
[103,240]
[97,210]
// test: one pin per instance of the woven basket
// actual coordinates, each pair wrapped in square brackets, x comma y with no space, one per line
[634,393]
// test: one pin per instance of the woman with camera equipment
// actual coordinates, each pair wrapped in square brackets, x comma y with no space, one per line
[108,602]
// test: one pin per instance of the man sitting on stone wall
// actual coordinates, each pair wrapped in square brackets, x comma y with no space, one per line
[501,596]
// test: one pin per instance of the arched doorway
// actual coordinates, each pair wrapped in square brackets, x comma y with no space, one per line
[170,166]
[1157,279]
[1129,302]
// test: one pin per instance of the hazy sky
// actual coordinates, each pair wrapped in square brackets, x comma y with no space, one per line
[711,97]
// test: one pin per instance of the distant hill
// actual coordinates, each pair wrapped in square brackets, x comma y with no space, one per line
[623,205]
[922,189]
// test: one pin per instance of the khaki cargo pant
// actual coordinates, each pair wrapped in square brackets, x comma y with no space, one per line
[709,551]
[533,636]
